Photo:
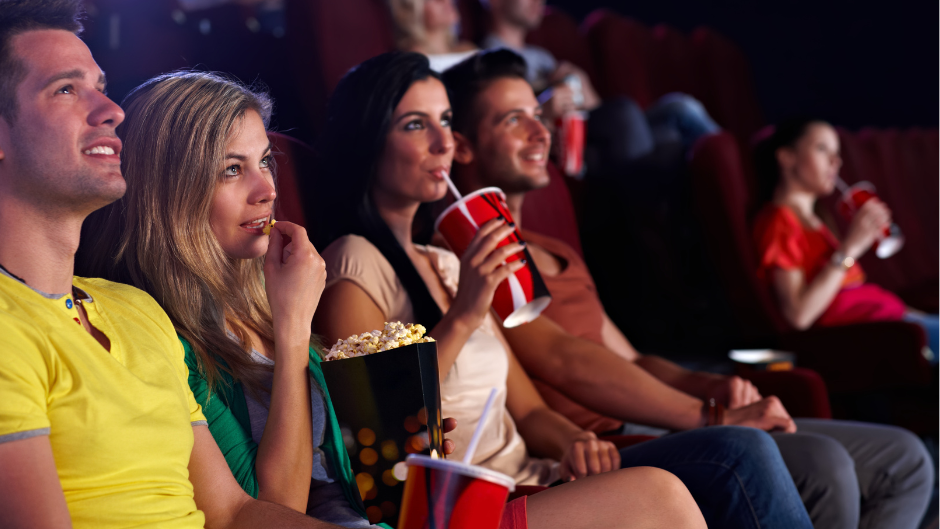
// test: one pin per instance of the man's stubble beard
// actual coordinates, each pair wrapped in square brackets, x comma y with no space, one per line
[54,187]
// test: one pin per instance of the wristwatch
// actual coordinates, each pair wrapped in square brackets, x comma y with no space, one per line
[840,259]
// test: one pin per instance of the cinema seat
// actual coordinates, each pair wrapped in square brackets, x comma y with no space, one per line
[672,64]
[560,35]
[905,178]
[726,86]
[620,49]
[293,160]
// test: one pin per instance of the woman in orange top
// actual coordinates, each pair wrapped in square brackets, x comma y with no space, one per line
[814,275]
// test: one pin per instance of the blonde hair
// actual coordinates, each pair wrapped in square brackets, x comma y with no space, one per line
[158,236]
[408,17]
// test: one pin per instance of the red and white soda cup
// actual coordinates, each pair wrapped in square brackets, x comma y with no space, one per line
[572,135]
[441,494]
[891,240]
[523,295]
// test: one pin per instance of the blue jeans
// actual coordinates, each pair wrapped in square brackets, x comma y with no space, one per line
[930,324]
[735,474]
[679,117]
[620,134]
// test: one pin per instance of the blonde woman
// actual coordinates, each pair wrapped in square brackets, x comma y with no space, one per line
[429,27]
[190,231]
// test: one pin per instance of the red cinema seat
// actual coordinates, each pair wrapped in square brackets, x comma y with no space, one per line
[671,63]
[725,84]
[560,35]
[327,38]
[850,358]
[293,160]
[550,211]
[893,162]
[620,47]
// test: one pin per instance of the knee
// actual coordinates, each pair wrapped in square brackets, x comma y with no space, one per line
[817,461]
[668,492]
[680,104]
[743,441]
[915,466]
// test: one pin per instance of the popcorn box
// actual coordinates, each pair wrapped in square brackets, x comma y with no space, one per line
[383,401]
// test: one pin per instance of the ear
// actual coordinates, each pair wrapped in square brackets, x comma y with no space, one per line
[786,158]
[463,149]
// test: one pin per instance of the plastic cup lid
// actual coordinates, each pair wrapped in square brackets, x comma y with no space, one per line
[473,471]
[760,356]
[527,312]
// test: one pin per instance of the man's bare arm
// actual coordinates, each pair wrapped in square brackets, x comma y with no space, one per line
[599,379]
[30,493]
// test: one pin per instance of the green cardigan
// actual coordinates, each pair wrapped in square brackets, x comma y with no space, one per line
[230,425]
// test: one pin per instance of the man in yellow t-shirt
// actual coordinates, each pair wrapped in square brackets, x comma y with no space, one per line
[118,421]
[98,426]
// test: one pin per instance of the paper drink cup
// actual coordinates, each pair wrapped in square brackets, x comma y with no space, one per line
[443,494]
[522,296]
[892,240]
[572,135]
[381,402]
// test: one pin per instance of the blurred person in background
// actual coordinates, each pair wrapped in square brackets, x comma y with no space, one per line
[814,276]
[849,474]
[430,27]
[619,131]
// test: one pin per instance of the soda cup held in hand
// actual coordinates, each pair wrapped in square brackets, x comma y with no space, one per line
[853,197]
[522,296]
[451,495]
[571,138]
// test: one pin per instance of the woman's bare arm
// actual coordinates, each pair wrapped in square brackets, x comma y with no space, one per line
[549,434]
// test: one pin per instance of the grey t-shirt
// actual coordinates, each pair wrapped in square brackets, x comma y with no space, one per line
[331,504]
[540,64]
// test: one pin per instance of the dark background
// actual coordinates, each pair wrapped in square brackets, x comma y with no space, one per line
[853,63]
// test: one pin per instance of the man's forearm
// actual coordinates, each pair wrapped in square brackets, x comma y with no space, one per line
[599,380]
[691,382]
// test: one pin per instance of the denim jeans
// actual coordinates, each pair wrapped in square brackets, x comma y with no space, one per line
[620,134]
[736,475]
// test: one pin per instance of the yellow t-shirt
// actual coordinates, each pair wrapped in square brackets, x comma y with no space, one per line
[119,422]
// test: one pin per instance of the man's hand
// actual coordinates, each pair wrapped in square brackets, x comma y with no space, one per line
[587,455]
[767,414]
[732,392]
[564,69]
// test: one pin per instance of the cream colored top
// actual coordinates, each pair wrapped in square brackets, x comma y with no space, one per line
[481,365]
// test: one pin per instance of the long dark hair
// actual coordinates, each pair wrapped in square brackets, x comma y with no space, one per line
[359,116]
[785,134]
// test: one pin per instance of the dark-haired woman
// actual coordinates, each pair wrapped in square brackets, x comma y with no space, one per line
[387,145]
[814,275]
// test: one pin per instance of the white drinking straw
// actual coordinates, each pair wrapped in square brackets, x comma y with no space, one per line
[475,440]
[841,185]
[452,187]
